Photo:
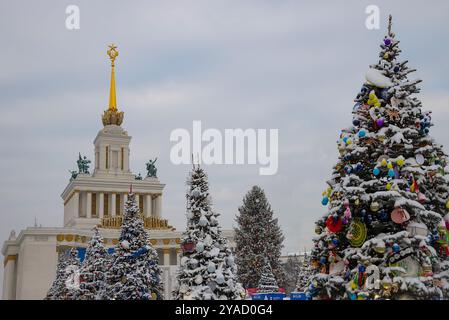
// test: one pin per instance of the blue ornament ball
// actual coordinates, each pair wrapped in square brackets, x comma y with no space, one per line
[323,260]
[391,173]
[362,268]
[396,247]
[325,201]
[396,69]
[376,171]
[356,122]
[358,167]
[335,242]
[369,219]
[348,169]
[362,133]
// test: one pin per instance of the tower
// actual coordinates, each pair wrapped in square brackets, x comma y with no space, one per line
[97,198]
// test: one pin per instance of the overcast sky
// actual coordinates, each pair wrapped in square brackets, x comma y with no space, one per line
[295,66]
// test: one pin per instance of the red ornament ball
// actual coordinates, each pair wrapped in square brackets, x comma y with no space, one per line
[334,225]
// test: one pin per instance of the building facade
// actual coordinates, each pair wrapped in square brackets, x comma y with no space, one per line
[93,199]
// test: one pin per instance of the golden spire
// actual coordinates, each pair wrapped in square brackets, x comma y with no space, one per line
[112,53]
[112,116]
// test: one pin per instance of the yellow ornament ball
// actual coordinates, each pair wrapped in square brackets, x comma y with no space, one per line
[400,162]
[348,142]
[447,205]
[388,186]
[390,165]
[383,163]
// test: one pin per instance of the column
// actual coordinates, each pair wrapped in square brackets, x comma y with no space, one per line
[8,278]
[76,206]
[125,198]
[89,205]
[101,205]
[158,208]
[148,205]
[178,256]
[113,195]
[166,252]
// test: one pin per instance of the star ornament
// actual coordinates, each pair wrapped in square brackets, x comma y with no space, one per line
[393,115]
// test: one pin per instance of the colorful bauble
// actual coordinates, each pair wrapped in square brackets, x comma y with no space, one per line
[318,230]
[383,162]
[380,122]
[334,224]
[374,206]
[396,248]
[348,169]
[388,186]
[362,133]
[355,122]
[376,171]
[325,201]
[357,233]
[419,159]
[380,247]
[391,173]
[200,247]
[399,215]
[401,161]
[387,41]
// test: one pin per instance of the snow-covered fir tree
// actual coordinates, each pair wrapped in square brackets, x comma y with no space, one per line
[258,237]
[267,282]
[66,284]
[304,273]
[134,272]
[93,269]
[384,236]
[207,270]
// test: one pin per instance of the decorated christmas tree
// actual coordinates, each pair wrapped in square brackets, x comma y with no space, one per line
[304,273]
[383,235]
[66,284]
[207,270]
[134,273]
[93,269]
[267,282]
[258,237]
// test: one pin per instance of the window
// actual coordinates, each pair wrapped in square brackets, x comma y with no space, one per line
[107,157]
[123,158]
[117,204]
[106,204]
[141,204]
[93,206]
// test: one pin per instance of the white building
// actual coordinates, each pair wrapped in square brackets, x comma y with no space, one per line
[90,200]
